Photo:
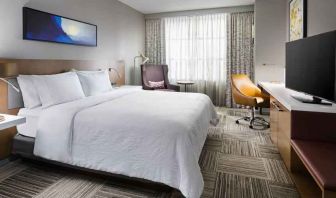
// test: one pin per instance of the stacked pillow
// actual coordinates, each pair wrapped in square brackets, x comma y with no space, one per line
[48,90]
[94,82]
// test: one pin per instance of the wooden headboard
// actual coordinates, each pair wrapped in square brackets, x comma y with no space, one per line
[43,67]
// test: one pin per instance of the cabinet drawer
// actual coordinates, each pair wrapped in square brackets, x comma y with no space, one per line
[274,121]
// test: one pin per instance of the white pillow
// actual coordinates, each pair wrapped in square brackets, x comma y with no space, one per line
[31,98]
[94,82]
[58,88]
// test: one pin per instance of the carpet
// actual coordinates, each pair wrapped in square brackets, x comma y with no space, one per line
[236,162]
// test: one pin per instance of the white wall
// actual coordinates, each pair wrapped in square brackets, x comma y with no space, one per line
[270,38]
[272,33]
[321,15]
[201,12]
[121,31]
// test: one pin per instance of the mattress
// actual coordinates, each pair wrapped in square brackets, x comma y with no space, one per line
[29,128]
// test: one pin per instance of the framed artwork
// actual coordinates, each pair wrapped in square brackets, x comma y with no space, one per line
[297,19]
[43,26]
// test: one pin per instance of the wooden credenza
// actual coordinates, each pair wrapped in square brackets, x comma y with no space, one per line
[280,118]
[292,119]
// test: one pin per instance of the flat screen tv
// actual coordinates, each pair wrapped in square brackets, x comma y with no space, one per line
[42,26]
[310,66]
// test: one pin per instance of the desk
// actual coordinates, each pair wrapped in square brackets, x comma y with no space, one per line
[292,119]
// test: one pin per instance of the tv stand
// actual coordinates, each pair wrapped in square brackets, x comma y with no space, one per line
[310,99]
[312,125]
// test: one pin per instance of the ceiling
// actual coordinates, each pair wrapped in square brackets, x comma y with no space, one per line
[157,6]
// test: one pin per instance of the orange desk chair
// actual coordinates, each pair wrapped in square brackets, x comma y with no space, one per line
[246,93]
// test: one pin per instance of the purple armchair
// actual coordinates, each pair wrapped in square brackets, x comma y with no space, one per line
[156,73]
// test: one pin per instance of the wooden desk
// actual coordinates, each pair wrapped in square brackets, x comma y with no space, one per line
[292,119]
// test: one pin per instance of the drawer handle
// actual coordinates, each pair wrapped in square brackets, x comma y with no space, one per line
[276,106]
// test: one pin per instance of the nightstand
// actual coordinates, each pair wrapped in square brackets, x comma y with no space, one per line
[11,121]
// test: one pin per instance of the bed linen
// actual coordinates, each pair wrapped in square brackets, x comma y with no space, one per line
[156,136]
[32,116]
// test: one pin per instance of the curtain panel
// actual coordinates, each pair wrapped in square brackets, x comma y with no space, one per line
[240,49]
[155,41]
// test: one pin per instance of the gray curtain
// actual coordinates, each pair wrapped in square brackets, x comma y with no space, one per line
[155,41]
[240,51]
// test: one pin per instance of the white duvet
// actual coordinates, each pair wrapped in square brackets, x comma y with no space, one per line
[152,135]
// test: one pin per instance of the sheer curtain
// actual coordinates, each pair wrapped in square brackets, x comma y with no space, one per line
[196,49]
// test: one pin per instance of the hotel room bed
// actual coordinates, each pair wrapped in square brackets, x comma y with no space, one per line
[121,132]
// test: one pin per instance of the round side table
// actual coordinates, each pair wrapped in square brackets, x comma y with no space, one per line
[185,83]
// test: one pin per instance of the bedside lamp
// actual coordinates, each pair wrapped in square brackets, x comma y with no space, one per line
[8,70]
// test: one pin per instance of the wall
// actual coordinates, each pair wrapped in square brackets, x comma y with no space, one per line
[201,12]
[321,16]
[270,38]
[272,32]
[121,31]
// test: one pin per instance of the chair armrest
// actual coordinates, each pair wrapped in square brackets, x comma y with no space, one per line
[243,99]
[147,87]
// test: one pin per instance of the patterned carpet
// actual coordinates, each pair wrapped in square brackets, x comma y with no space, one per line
[236,162]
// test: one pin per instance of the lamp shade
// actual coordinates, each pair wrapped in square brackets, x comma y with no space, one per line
[8,69]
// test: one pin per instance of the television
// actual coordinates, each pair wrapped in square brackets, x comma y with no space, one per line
[310,67]
[43,26]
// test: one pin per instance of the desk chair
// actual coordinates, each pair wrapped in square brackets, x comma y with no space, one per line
[245,93]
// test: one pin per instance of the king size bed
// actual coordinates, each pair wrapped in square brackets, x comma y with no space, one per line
[152,135]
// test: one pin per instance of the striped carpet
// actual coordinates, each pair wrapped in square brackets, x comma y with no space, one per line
[236,162]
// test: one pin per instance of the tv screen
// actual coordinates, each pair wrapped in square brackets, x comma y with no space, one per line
[42,26]
[310,65]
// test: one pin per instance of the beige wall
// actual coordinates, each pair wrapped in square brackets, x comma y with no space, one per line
[270,38]
[121,31]
[201,12]
[272,32]
[321,15]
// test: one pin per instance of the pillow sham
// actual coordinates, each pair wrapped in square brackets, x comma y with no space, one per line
[58,88]
[94,82]
[31,98]
[156,85]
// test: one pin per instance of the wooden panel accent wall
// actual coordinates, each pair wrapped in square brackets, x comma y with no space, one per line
[43,67]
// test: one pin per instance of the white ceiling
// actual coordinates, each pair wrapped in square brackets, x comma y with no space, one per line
[157,6]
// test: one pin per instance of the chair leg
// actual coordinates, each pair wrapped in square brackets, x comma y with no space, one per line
[243,118]
[257,121]
[252,118]
[254,121]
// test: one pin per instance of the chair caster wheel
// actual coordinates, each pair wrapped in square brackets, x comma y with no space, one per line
[251,127]
[237,122]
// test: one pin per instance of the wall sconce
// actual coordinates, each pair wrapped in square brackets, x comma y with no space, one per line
[9,70]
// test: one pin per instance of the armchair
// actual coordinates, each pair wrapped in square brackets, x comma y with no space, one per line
[156,73]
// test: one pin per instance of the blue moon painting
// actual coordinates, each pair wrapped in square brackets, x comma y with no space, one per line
[42,26]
